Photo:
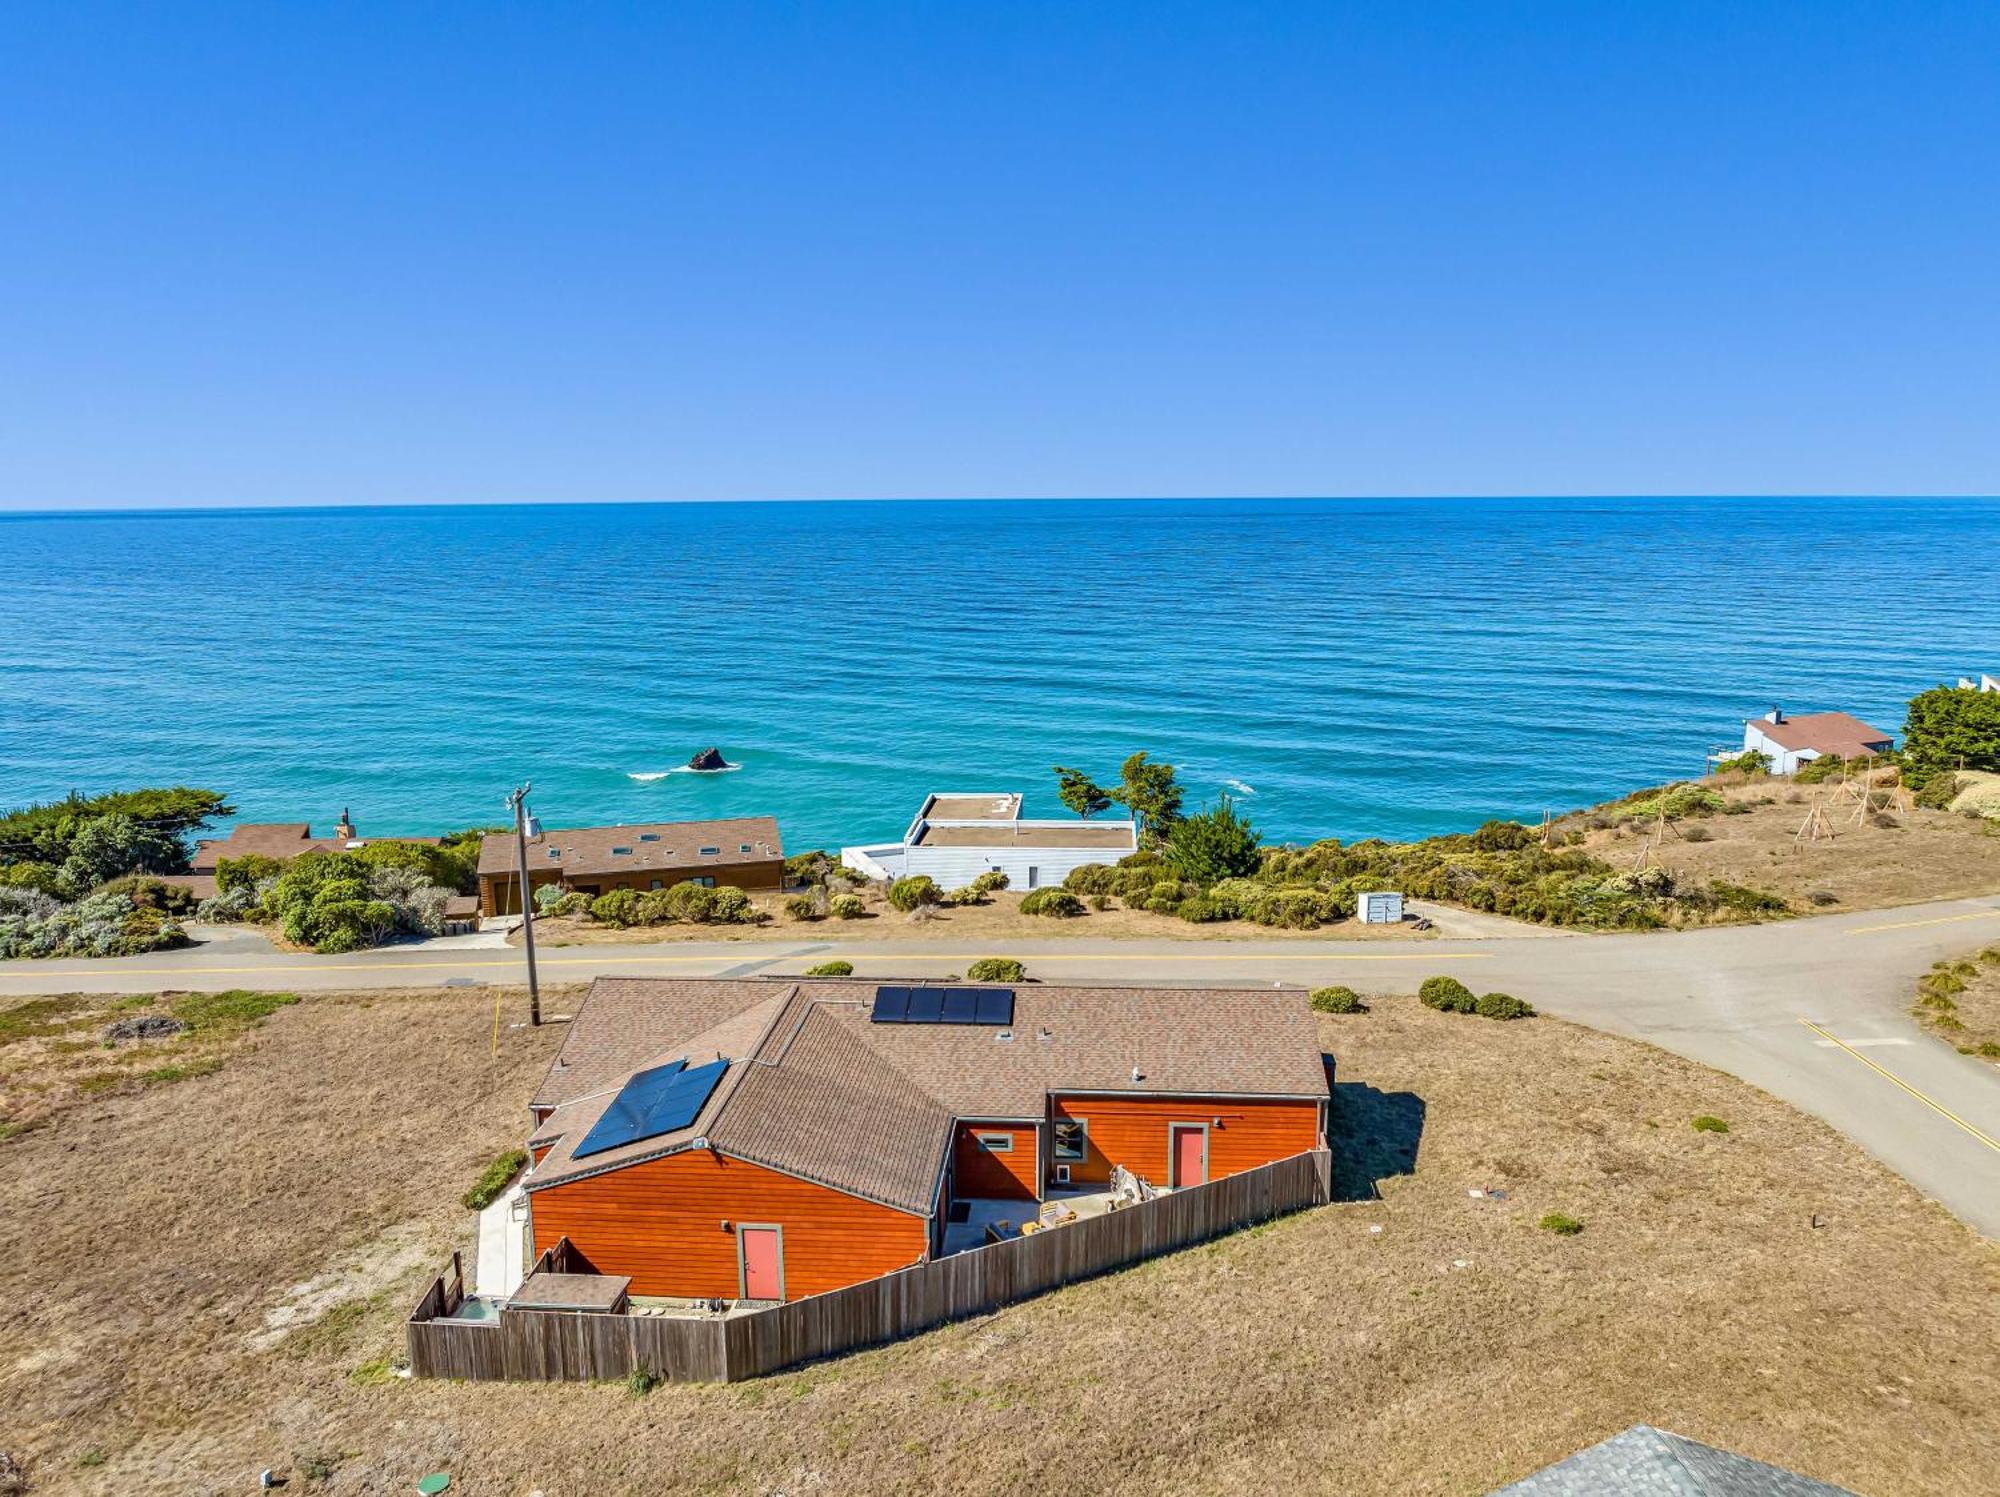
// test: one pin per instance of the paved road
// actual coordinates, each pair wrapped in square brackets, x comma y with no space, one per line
[1814,1011]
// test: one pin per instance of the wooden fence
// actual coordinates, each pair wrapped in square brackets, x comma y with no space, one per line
[563,1346]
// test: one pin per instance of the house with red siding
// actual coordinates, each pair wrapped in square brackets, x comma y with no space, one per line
[761,1140]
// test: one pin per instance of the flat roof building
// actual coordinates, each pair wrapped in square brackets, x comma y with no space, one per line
[957,836]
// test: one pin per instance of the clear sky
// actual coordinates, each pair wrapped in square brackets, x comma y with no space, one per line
[374,253]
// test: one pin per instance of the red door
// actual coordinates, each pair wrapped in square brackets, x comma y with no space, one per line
[1190,1156]
[763,1262]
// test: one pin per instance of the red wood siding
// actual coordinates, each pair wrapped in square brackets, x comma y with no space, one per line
[499,893]
[661,1222]
[1132,1131]
[978,1173]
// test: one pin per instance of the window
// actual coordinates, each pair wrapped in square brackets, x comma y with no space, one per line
[743,847]
[621,852]
[1072,1139]
[711,852]
[994,1143]
[649,836]
[705,881]
[656,883]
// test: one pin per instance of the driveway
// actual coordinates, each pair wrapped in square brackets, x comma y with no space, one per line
[1814,1011]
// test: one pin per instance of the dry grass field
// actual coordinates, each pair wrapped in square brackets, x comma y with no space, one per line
[204,1278]
[1920,855]
[1959,1001]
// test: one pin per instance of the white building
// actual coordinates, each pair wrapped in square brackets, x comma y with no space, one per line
[1792,741]
[957,836]
[1986,682]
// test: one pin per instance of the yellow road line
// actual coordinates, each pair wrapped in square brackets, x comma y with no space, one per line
[1937,1107]
[445,967]
[1862,930]
[1135,956]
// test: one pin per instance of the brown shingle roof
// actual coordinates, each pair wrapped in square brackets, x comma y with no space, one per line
[282,840]
[657,844]
[822,1092]
[1823,732]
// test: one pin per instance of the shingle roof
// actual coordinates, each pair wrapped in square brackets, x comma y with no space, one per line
[1648,1462]
[1824,732]
[282,840]
[814,1075]
[655,844]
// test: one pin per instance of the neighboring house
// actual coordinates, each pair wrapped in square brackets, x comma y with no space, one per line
[1792,741]
[956,837]
[744,851]
[283,840]
[1986,682]
[760,1140]
[1648,1462]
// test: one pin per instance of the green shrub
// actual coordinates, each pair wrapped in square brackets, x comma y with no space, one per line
[640,1381]
[1092,878]
[992,881]
[323,900]
[906,894]
[1938,793]
[1447,995]
[813,867]
[1561,1225]
[1502,836]
[1056,902]
[1750,761]
[1198,909]
[846,907]
[569,904]
[965,895]
[1949,729]
[804,907]
[150,893]
[1503,1006]
[494,1179]
[729,905]
[618,908]
[1212,845]
[996,969]
[1338,1000]
[831,969]
[1707,1124]
[1101,902]
[1746,901]
[547,897]
[246,872]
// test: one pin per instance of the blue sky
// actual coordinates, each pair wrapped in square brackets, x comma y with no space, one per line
[355,253]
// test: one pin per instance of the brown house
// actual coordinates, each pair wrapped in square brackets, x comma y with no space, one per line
[743,851]
[766,1140]
[283,840]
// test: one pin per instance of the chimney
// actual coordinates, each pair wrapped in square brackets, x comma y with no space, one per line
[1775,715]
[344,831]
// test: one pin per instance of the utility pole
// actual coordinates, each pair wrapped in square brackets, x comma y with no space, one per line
[518,803]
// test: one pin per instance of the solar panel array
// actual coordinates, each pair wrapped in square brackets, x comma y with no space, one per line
[651,1103]
[944,1006]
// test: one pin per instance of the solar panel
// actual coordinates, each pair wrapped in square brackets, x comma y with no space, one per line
[996,1006]
[961,1005]
[926,1006]
[892,1005]
[653,1102]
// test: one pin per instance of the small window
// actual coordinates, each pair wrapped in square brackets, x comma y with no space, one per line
[621,852]
[705,881]
[994,1143]
[656,883]
[743,847]
[649,836]
[711,852]
[1072,1139]
[555,852]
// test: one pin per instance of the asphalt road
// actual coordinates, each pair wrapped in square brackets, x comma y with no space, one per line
[1814,1011]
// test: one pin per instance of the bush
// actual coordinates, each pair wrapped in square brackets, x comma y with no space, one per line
[246,872]
[1750,761]
[806,906]
[569,904]
[1447,995]
[1503,1006]
[33,924]
[1949,729]
[150,893]
[323,900]
[1502,836]
[996,969]
[618,908]
[729,905]
[906,894]
[1338,1000]
[831,969]
[1562,1226]
[1101,902]
[1707,1124]
[814,867]
[1212,846]
[494,1179]
[1697,834]
[991,881]
[1055,902]
[231,908]
[1746,901]
[547,897]
[846,907]
[1092,878]
[1938,792]
[964,895]
[1198,909]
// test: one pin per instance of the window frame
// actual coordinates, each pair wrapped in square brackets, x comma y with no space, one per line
[1056,1153]
[989,1142]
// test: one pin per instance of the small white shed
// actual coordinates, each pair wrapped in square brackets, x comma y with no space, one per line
[1382,907]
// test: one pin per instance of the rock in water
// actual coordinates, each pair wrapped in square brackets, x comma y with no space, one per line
[708,758]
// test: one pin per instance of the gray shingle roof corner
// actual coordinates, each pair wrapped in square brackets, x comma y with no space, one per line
[1648,1462]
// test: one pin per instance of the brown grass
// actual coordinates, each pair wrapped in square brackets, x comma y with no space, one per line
[1771,1290]
[1925,855]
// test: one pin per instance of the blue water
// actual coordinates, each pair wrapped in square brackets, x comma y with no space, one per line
[1363,667]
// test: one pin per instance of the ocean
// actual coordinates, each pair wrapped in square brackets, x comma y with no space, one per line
[1341,668]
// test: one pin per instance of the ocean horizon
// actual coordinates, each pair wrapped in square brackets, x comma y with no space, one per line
[1349,668]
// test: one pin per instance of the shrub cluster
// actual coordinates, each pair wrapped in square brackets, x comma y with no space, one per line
[1053,901]
[686,903]
[907,893]
[494,1179]
[846,907]
[1338,1000]
[996,969]
[831,969]
[1449,995]
[35,924]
